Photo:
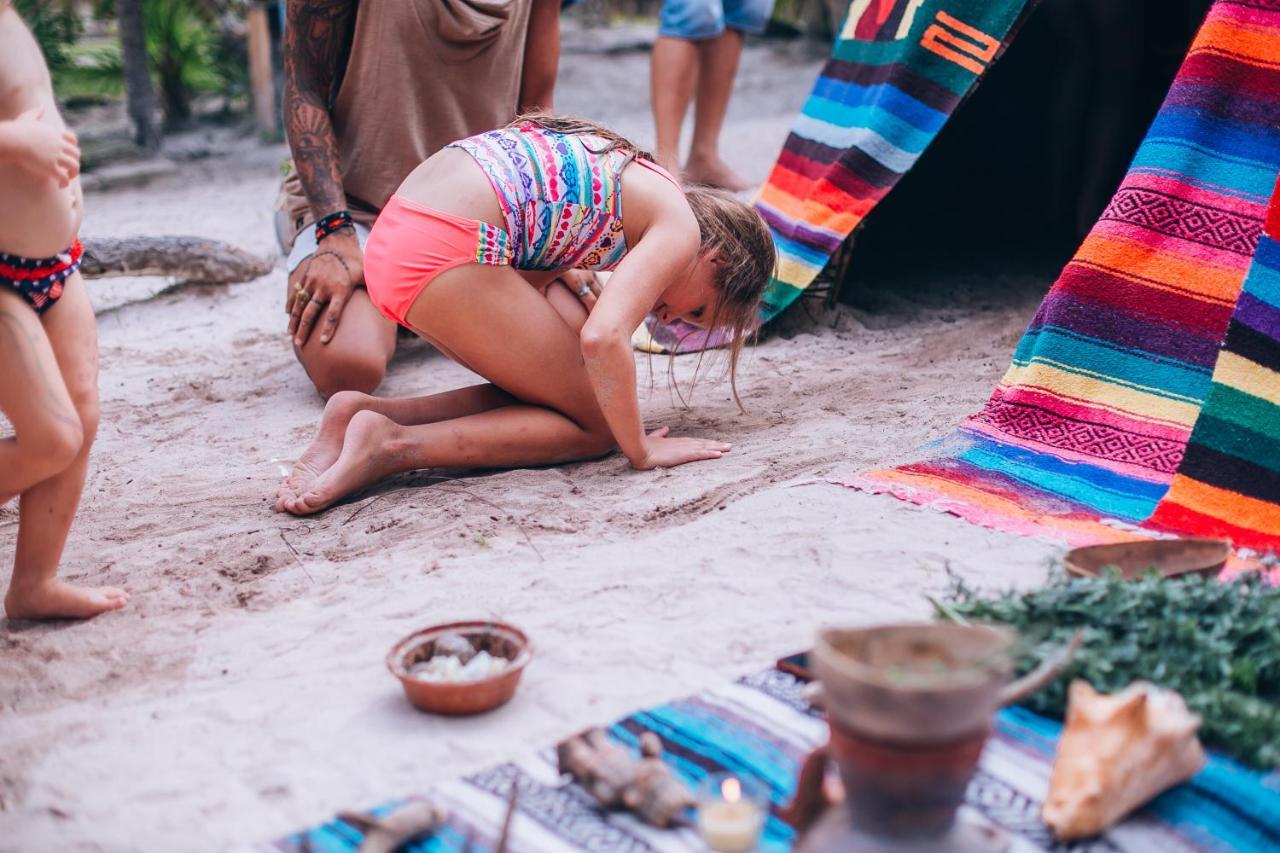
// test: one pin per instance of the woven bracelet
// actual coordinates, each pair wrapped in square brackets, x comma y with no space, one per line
[333,222]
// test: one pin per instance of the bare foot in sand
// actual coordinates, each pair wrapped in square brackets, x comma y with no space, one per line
[365,459]
[324,448]
[714,172]
[55,599]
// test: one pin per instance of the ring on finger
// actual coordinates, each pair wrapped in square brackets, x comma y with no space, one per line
[584,290]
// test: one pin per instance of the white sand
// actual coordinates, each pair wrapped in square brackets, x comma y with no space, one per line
[243,694]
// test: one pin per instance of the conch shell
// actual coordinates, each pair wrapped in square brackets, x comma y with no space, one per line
[1116,753]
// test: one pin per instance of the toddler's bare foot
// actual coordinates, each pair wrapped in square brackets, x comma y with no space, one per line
[324,448]
[714,172]
[58,600]
[365,459]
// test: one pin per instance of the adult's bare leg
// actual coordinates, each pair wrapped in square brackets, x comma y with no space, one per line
[673,73]
[356,358]
[717,66]
[47,508]
[510,334]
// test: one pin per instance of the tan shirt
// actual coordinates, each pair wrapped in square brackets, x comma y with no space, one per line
[422,74]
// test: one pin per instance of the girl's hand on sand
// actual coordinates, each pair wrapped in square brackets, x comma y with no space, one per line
[45,150]
[664,452]
[330,276]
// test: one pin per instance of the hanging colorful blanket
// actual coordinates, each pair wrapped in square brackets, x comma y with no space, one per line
[1145,396]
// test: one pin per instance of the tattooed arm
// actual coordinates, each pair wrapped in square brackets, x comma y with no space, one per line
[317,37]
[541,57]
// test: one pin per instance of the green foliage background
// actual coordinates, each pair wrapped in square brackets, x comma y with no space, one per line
[1218,644]
[55,29]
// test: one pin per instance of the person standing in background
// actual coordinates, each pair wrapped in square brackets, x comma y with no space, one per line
[695,59]
[373,88]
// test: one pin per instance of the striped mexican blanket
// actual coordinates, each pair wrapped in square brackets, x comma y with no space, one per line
[1089,428]
[897,72]
[762,729]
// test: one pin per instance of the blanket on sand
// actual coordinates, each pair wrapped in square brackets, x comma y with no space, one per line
[762,728]
[1145,397]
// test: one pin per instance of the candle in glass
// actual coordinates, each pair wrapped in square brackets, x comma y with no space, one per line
[729,822]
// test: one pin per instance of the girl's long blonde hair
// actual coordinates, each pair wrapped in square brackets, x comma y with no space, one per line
[732,232]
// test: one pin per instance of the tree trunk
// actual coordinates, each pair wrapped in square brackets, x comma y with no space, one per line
[189,259]
[177,100]
[137,75]
[261,75]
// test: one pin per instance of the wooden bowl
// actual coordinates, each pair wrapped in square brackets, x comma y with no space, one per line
[1170,557]
[460,698]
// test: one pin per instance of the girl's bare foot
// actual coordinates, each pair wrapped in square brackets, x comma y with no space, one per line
[365,459]
[324,448]
[55,599]
[714,172]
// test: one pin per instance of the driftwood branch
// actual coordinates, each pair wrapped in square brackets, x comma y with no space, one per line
[189,259]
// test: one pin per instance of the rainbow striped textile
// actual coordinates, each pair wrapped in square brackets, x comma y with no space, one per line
[761,728]
[1166,321]
[898,71]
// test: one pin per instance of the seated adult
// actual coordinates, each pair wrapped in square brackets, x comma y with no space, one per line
[373,88]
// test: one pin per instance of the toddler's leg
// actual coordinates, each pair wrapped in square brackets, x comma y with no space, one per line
[34,398]
[48,507]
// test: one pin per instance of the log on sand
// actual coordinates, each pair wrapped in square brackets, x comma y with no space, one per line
[188,259]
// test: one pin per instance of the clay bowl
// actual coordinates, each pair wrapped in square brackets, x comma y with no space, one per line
[460,698]
[913,683]
[1170,557]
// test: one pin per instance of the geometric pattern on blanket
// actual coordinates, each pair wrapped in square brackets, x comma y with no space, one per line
[761,728]
[1229,481]
[1093,421]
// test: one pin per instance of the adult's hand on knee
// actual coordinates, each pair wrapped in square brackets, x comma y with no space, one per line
[663,451]
[322,286]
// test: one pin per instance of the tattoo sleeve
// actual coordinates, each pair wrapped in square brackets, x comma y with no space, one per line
[317,38]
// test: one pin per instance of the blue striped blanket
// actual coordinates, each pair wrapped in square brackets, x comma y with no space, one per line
[761,728]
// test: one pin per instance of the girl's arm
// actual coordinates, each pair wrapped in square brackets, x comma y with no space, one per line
[40,148]
[667,249]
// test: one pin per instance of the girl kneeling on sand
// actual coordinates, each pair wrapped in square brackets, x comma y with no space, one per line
[467,254]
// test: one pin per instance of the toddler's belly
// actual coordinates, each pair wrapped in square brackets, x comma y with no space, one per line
[40,218]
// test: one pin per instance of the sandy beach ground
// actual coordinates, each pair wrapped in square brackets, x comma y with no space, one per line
[242,694]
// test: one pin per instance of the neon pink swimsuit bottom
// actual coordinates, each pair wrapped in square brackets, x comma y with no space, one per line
[411,244]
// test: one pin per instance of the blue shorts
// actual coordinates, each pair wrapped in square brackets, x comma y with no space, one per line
[703,19]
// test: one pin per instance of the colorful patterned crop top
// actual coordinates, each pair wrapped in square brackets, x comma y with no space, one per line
[561,200]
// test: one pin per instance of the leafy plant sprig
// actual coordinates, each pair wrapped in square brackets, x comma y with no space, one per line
[1217,644]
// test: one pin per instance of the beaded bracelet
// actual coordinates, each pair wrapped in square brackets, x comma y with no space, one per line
[333,222]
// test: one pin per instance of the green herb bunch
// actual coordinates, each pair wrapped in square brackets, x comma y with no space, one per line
[1217,644]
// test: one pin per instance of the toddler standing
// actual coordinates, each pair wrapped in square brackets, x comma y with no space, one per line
[48,343]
